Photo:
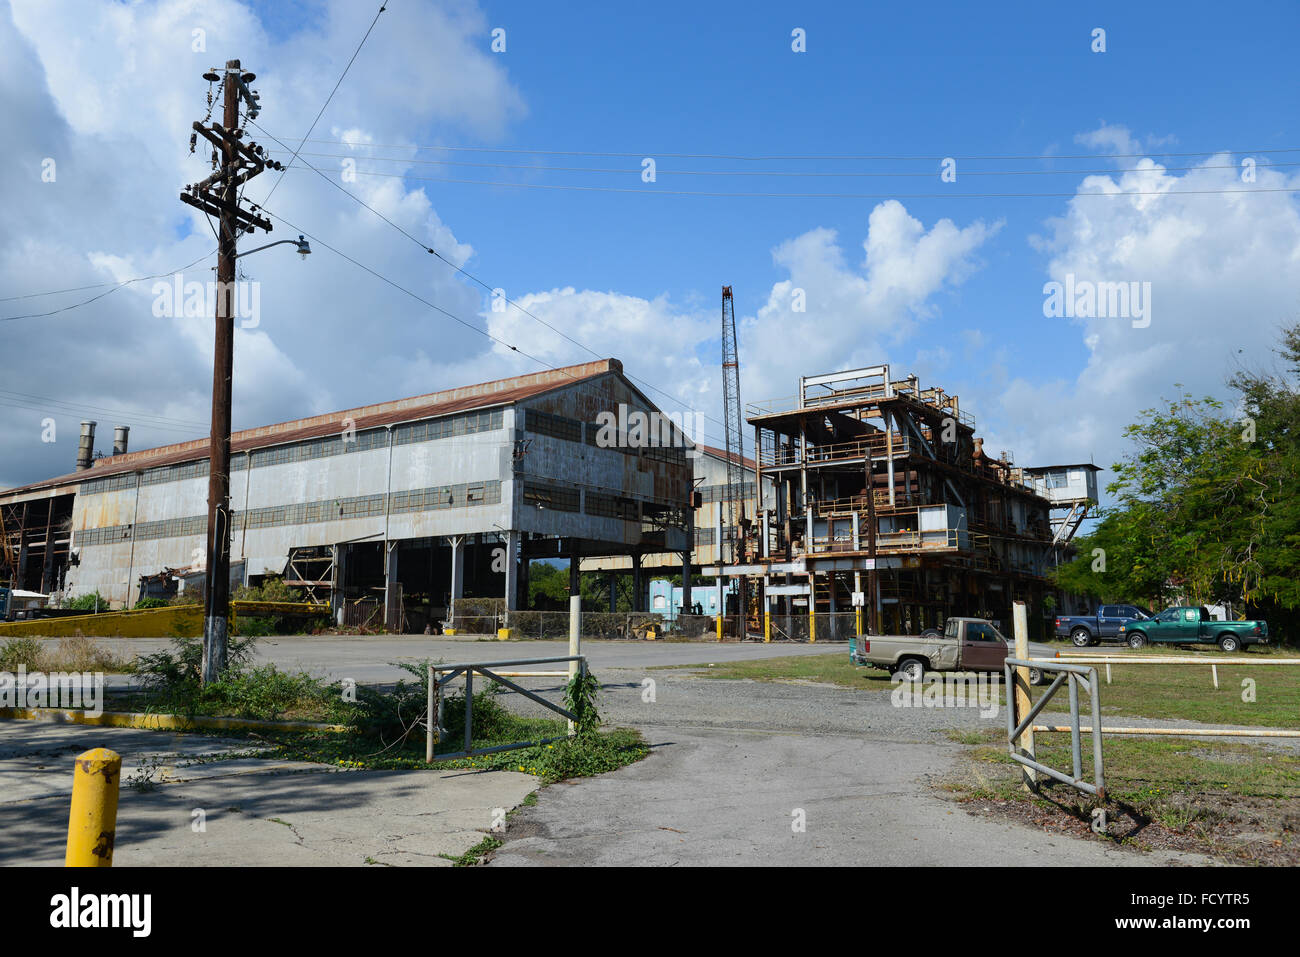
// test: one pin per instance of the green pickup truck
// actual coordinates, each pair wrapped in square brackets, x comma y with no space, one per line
[1189,625]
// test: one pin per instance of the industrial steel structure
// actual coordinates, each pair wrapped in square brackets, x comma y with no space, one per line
[886,501]
[404,505]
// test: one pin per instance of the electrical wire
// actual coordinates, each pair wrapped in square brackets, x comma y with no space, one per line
[661,171]
[418,298]
[774,158]
[86,302]
[653,190]
[464,272]
[276,185]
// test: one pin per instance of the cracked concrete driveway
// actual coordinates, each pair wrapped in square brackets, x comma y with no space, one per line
[253,812]
[735,764]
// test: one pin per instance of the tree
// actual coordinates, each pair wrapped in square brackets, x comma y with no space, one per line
[1206,504]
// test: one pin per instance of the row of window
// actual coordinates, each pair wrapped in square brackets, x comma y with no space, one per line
[553,497]
[111,484]
[304,513]
[709,536]
[718,493]
[466,423]
[556,426]
[611,506]
[572,430]
[447,496]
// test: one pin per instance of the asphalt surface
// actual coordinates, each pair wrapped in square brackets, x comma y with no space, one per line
[736,764]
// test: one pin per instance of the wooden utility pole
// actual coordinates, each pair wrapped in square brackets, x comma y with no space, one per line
[219,195]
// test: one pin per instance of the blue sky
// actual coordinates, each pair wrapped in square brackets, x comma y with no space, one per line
[951,288]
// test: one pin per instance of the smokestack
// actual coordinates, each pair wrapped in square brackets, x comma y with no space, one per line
[119,439]
[86,446]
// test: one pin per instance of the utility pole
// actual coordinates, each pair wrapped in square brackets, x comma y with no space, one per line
[234,163]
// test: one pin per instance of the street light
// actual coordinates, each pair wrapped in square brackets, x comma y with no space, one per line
[304,247]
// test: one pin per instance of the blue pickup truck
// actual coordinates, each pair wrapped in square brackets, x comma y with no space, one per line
[1085,630]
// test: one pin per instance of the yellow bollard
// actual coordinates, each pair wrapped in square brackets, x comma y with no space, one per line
[92,823]
[767,626]
[719,628]
[812,621]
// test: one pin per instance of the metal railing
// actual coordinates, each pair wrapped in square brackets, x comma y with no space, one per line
[1020,733]
[492,671]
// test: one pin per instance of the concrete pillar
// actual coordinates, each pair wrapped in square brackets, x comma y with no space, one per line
[457,589]
[512,570]
[575,572]
[686,583]
[392,608]
[525,600]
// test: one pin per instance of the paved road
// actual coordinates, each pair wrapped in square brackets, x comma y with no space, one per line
[254,812]
[733,762]
[374,659]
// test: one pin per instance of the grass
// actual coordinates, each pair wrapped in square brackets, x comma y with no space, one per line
[1167,692]
[833,668]
[1233,801]
[475,853]
[77,653]
[1187,692]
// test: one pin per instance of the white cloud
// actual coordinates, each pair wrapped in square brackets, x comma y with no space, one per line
[1223,268]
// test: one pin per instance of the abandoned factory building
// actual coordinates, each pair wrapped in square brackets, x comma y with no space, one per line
[412,502]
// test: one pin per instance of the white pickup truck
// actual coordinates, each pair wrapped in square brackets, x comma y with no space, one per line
[967,644]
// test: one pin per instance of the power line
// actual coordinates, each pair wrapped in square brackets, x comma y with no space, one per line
[164,419]
[662,171]
[418,298]
[382,7]
[76,305]
[460,269]
[810,157]
[653,190]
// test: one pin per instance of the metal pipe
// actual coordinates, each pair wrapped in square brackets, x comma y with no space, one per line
[86,445]
[1187,732]
[120,434]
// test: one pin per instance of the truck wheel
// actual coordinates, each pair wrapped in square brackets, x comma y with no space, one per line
[1081,637]
[1229,643]
[932,633]
[910,669]
[1035,676]
[1137,640]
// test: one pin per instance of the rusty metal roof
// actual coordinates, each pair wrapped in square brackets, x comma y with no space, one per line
[430,405]
[721,454]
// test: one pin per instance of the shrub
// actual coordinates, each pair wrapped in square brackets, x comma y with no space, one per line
[87,602]
[27,652]
[151,602]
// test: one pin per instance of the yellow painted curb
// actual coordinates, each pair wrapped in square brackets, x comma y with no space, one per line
[159,722]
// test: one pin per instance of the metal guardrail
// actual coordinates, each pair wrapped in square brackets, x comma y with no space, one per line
[488,669]
[1073,676]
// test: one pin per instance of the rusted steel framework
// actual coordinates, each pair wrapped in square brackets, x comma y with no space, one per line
[731,414]
[34,542]
[885,498]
